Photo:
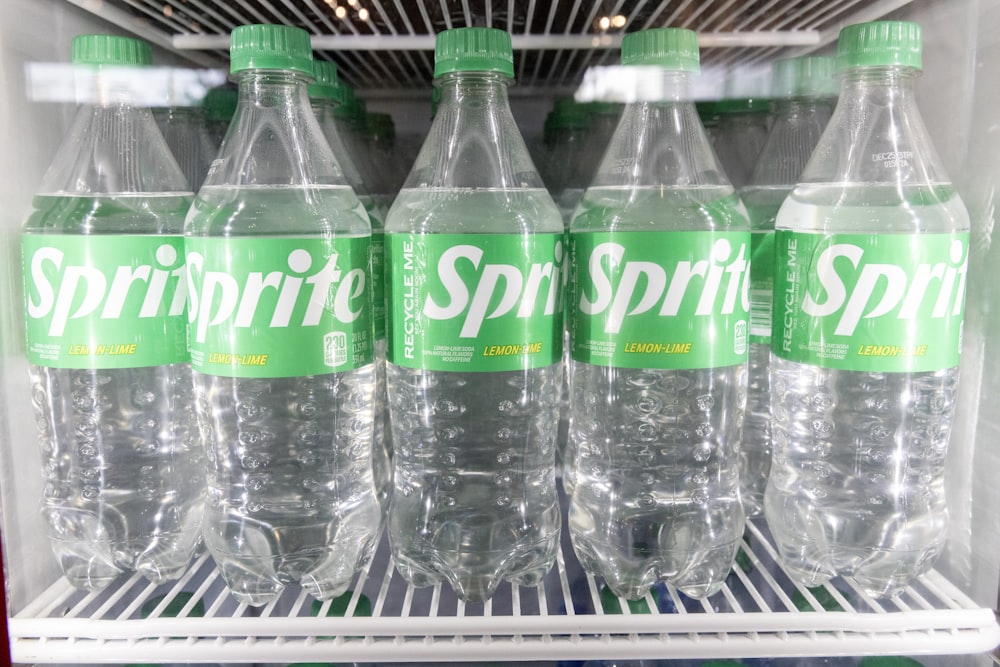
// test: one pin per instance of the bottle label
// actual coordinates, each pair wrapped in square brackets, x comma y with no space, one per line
[475,302]
[279,307]
[761,286]
[665,300]
[378,283]
[103,301]
[870,302]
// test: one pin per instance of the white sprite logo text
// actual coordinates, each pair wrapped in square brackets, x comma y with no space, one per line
[721,268]
[518,295]
[82,291]
[943,283]
[218,296]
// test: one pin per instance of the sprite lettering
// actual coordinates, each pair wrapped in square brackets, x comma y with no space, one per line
[293,307]
[486,302]
[660,300]
[104,301]
[871,302]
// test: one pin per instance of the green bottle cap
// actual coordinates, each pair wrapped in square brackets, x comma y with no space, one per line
[326,81]
[270,47]
[809,76]
[889,661]
[220,103]
[670,48]
[381,127]
[473,50]
[880,43]
[110,50]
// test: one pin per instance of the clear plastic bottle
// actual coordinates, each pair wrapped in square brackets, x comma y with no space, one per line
[184,130]
[474,248]
[740,134]
[111,386]
[278,257]
[804,93]
[325,96]
[658,310]
[871,257]
[218,108]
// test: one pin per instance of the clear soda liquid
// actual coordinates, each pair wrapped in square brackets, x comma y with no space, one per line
[656,493]
[121,461]
[857,476]
[290,494]
[762,204]
[474,492]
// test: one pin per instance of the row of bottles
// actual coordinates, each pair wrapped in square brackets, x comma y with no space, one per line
[309,354]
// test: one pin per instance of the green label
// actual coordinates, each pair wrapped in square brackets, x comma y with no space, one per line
[96,301]
[659,299]
[378,283]
[279,307]
[761,285]
[475,302]
[870,302]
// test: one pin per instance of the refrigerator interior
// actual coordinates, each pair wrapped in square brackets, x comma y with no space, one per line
[388,60]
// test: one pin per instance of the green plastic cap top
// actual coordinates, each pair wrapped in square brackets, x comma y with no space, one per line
[220,103]
[270,47]
[880,43]
[473,50]
[809,76]
[110,50]
[671,48]
[326,81]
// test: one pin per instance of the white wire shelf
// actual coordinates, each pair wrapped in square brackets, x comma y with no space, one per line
[554,41]
[757,614]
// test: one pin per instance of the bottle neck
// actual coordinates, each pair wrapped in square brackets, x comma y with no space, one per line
[275,138]
[474,141]
[891,86]
[472,88]
[273,88]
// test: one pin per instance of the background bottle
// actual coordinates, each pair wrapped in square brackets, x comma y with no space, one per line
[183,128]
[863,384]
[218,108]
[656,408]
[112,389]
[740,133]
[278,255]
[474,394]
[803,95]
[325,98]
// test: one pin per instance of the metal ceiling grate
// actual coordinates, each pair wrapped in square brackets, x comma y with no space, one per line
[387,44]
[760,612]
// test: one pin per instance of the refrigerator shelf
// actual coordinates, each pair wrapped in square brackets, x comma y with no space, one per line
[757,614]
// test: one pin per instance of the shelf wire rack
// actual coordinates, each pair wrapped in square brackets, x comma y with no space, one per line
[759,612]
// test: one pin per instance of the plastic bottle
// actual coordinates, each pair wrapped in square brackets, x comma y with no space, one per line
[658,318]
[871,255]
[105,331]
[278,256]
[325,96]
[740,134]
[218,108]
[804,93]
[474,391]
[183,128]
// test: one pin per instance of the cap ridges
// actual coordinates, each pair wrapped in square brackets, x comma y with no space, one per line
[670,48]
[264,46]
[473,50]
